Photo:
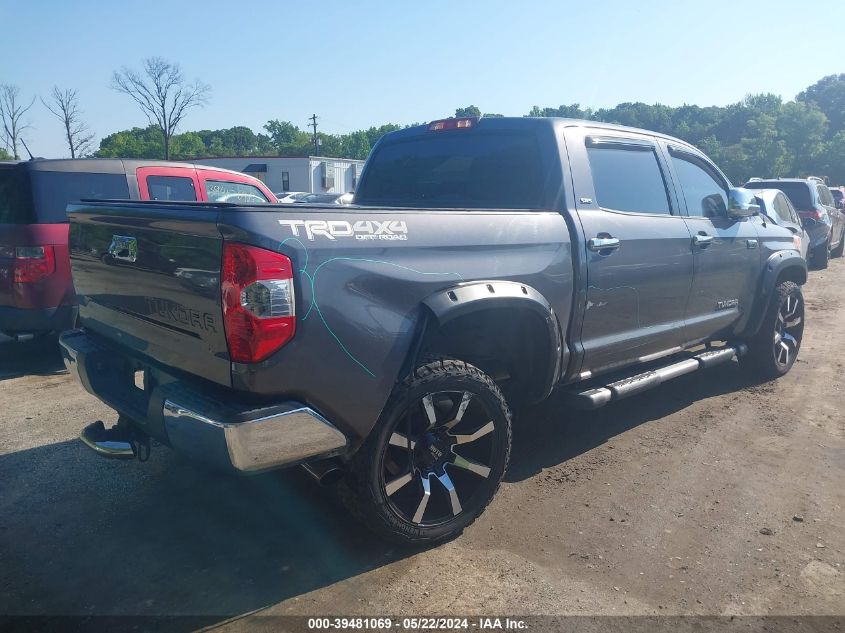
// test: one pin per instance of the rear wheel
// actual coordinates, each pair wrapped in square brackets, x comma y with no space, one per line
[839,250]
[773,350]
[436,457]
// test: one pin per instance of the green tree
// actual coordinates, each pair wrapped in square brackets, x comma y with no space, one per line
[828,93]
[356,145]
[803,127]
[135,143]
[830,161]
[288,139]
[467,112]
[188,145]
[573,111]
[4,155]
[162,93]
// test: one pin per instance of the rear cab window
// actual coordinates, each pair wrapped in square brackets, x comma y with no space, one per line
[458,169]
[171,188]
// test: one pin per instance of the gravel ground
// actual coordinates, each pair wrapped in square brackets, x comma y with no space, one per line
[710,495]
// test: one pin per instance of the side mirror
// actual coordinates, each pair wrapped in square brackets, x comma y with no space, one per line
[742,203]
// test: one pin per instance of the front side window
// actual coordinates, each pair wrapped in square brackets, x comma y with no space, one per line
[628,180]
[237,192]
[705,195]
[171,188]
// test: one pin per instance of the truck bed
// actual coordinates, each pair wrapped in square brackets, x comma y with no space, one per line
[361,277]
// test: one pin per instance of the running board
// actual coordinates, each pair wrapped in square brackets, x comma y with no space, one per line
[600,396]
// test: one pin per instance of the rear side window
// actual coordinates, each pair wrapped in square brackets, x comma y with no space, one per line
[797,192]
[54,190]
[824,196]
[171,188]
[706,197]
[782,208]
[15,196]
[237,192]
[464,169]
[628,180]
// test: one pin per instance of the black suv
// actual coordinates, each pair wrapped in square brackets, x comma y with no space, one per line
[823,221]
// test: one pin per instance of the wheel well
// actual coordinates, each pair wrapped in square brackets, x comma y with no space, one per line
[792,273]
[509,344]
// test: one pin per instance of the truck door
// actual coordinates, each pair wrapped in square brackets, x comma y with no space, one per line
[726,251]
[636,246]
[168,183]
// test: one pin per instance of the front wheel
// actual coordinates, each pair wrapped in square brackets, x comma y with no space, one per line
[435,458]
[773,350]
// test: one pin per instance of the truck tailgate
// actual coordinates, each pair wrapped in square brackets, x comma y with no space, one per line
[148,277]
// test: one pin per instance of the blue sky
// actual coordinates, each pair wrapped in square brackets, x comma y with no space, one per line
[358,63]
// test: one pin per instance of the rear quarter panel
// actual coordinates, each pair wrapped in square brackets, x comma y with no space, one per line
[359,292]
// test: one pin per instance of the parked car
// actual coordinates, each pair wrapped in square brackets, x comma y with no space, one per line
[777,207]
[288,197]
[326,198]
[36,291]
[838,194]
[489,262]
[823,221]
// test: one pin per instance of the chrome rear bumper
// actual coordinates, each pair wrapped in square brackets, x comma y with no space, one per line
[283,439]
[205,424]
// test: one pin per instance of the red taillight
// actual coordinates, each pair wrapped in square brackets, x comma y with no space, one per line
[814,214]
[452,124]
[33,263]
[258,302]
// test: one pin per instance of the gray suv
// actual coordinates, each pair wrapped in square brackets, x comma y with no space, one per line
[823,221]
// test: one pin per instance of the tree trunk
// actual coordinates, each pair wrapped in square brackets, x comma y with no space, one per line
[166,145]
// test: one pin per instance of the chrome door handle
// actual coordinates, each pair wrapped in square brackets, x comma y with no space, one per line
[597,244]
[702,240]
[751,243]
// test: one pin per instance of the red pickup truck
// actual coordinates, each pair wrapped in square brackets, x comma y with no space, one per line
[36,289]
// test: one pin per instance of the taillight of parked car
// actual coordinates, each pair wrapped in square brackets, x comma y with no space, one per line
[259,313]
[812,214]
[31,263]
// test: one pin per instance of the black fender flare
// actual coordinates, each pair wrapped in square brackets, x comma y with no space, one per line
[466,298]
[779,263]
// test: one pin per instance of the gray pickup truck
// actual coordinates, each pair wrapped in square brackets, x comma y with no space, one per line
[485,264]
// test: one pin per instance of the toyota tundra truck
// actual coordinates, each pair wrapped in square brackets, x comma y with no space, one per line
[485,264]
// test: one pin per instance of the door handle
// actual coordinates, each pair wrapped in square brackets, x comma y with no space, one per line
[751,243]
[598,244]
[702,239]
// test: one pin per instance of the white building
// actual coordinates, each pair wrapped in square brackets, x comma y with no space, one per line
[314,174]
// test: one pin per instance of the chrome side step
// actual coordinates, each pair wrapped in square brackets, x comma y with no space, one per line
[600,396]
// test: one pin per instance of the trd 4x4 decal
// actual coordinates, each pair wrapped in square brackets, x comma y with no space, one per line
[360,229]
